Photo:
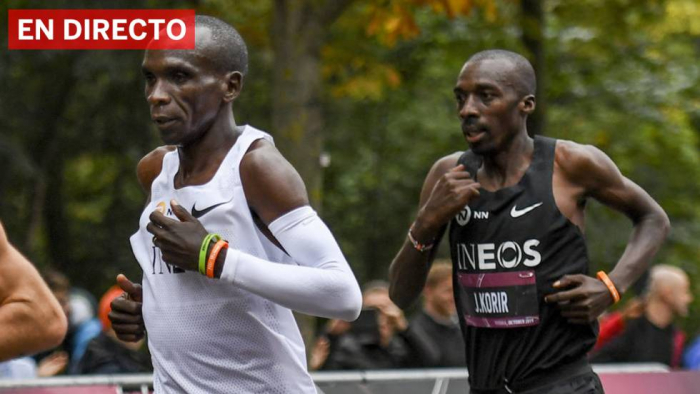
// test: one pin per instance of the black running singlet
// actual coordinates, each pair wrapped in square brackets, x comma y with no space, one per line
[508,247]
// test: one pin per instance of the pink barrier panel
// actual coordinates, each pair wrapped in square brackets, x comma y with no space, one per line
[680,382]
[63,390]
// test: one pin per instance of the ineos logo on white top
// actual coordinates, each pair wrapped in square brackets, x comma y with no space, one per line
[464,216]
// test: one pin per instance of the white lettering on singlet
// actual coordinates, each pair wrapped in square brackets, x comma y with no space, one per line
[508,255]
[486,256]
[481,215]
[535,256]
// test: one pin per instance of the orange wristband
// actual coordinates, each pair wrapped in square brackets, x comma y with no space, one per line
[213,255]
[611,286]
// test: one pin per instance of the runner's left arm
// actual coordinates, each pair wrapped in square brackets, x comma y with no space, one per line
[600,179]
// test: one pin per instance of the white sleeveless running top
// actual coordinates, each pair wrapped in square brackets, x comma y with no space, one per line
[207,336]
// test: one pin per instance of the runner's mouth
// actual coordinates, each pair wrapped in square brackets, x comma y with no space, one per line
[162,121]
[473,134]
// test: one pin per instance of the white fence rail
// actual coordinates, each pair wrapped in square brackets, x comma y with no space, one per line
[430,381]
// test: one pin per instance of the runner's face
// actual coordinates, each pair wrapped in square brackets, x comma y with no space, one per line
[183,91]
[489,106]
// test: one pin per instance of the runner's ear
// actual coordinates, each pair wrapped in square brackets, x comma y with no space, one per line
[234,85]
[527,105]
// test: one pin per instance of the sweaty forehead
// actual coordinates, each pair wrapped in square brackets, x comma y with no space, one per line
[498,72]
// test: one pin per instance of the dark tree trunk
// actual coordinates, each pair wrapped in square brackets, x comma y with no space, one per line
[60,245]
[299,31]
[50,154]
[532,25]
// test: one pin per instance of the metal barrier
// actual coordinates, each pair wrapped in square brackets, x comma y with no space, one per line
[429,381]
[139,383]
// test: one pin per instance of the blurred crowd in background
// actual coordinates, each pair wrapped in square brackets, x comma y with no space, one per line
[641,330]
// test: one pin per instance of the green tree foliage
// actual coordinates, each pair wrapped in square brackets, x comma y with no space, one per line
[624,79]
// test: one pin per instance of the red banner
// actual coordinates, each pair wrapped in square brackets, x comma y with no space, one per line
[101,29]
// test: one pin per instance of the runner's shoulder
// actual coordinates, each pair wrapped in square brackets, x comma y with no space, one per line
[263,158]
[583,163]
[271,184]
[149,166]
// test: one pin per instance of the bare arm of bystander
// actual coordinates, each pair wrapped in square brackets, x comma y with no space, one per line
[31,319]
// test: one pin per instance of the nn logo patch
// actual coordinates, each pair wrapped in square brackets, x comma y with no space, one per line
[464,216]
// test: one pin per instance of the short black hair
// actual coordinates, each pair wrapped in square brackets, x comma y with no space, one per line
[526,81]
[231,53]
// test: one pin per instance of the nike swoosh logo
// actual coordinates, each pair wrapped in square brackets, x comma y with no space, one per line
[515,212]
[198,214]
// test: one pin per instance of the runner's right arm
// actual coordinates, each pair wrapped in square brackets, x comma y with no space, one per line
[446,190]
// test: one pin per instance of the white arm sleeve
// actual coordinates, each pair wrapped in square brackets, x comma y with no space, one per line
[322,284]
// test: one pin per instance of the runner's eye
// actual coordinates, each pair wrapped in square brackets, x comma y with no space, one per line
[460,99]
[150,78]
[486,96]
[180,76]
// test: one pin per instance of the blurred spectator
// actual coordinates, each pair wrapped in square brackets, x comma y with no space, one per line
[691,359]
[326,343]
[82,306]
[106,354]
[613,323]
[376,340]
[653,336]
[434,331]
[64,359]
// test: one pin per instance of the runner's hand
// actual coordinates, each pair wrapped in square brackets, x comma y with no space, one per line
[126,315]
[178,240]
[580,298]
[452,192]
